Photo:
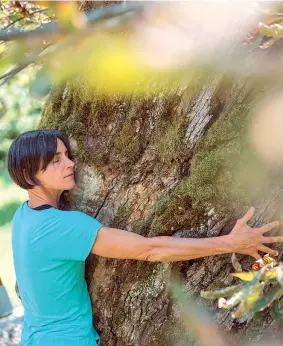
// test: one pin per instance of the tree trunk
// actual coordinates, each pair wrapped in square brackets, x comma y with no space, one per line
[176,162]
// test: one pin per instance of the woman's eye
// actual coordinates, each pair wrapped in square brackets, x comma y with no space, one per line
[56,161]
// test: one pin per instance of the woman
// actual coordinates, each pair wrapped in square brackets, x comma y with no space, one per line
[50,245]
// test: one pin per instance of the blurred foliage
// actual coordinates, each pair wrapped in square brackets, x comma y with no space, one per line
[117,55]
[22,112]
[261,288]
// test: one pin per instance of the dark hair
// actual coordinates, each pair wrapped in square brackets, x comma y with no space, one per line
[32,151]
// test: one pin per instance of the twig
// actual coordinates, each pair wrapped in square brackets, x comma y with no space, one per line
[27,17]
[28,61]
[15,21]
[23,64]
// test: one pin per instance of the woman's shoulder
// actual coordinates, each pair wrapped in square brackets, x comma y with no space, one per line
[71,214]
[76,218]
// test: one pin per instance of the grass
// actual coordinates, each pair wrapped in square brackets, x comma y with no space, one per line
[11,198]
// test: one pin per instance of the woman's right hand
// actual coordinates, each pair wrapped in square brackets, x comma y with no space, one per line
[248,241]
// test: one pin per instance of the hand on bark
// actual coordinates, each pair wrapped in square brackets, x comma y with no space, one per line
[248,241]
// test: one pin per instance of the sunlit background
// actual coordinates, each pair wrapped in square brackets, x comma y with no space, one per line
[21,114]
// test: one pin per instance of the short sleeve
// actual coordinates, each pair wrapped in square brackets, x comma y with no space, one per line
[74,236]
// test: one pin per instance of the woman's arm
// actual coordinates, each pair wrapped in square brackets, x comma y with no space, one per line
[116,243]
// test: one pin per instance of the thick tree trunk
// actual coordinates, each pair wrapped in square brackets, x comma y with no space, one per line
[176,163]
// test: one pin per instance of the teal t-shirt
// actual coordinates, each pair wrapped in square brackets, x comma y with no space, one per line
[49,250]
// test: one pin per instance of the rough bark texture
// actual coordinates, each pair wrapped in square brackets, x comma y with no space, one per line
[176,162]
[164,164]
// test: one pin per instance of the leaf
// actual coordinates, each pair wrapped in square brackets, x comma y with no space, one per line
[247,276]
[233,301]
[15,16]
[274,30]
[276,313]
[244,293]
[241,310]
[255,293]
[275,293]
[268,259]
[270,274]
[224,292]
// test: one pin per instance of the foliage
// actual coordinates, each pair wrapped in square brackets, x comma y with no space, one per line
[22,111]
[60,37]
[261,288]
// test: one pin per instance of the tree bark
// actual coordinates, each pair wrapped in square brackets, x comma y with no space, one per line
[178,163]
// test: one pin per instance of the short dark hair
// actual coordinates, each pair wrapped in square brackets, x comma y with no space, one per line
[31,151]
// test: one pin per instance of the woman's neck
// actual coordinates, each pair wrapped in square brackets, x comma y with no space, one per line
[40,195]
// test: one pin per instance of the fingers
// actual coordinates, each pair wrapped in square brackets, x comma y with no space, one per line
[269,240]
[269,226]
[249,214]
[256,256]
[268,250]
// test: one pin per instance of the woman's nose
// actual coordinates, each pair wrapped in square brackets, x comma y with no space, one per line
[71,163]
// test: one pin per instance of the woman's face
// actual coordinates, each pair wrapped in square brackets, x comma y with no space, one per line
[59,173]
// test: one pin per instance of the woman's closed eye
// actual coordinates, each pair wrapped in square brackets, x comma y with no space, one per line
[56,160]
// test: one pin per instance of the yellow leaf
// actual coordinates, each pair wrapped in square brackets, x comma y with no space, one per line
[248,276]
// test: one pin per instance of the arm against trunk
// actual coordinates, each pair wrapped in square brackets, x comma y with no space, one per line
[116,243]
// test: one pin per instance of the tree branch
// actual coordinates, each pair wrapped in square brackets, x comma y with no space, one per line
[92,16]
[28,61]
[23,64]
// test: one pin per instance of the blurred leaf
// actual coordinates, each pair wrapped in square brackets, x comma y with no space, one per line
[268,259]
[245,305]
[243,294]
[270,274]
[274,30]
[241,310]
[254,294]
[224,292]
[275,293]
[276,313]
[247,276]
[15,16]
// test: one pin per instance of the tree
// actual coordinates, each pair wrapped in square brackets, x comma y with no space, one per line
[175,160]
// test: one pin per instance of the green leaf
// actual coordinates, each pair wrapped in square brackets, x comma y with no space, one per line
[276,313]
[275,293]
[241,310]
[15,16]
[244,293]
[254,294]
[233,301]
[224,292]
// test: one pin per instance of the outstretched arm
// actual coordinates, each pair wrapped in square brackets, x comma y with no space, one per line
[116,243]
